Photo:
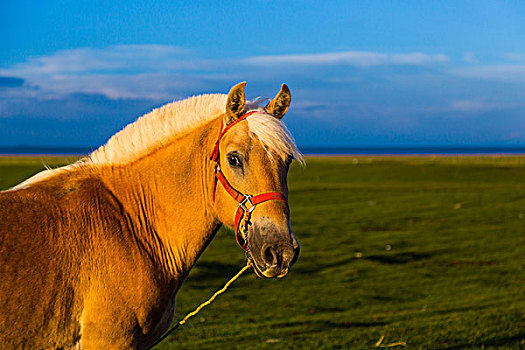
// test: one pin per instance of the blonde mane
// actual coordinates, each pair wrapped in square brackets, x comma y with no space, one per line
[158,128]
[161,126]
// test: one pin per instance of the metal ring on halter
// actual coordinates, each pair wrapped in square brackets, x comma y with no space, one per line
[247,199]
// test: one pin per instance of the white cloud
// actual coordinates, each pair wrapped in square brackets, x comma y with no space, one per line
[153,86]
[514,73]
[114,58]
[353,58]
[124,71]
[163,72]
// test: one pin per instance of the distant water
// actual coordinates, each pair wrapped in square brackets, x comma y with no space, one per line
[411,150]
[30,150]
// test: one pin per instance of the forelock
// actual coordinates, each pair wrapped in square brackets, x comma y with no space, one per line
[273,135]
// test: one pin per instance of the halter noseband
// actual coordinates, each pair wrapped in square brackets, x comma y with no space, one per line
[247,203]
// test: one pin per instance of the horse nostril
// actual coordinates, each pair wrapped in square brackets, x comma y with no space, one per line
[271,256]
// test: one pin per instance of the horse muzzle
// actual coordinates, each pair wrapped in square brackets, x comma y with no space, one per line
[275,257]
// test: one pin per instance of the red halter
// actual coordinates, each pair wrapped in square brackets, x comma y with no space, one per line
[247,203]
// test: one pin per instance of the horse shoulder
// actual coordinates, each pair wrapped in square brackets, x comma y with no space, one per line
[64,243]
[73,270]
[130,301]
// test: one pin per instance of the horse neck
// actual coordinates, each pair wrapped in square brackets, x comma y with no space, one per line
[167,196]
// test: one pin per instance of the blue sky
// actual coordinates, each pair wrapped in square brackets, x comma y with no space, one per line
[374,73]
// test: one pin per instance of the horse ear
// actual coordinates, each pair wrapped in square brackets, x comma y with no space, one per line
[280,103]
[235,103]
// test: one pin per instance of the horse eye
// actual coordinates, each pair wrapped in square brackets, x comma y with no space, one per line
[234,161]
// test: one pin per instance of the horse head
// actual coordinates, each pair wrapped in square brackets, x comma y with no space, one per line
[252,158]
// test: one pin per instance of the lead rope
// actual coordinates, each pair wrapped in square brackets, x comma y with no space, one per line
[207,302]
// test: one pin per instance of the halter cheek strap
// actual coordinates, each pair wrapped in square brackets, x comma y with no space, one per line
[247,203]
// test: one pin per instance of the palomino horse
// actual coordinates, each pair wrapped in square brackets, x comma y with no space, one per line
[92,254]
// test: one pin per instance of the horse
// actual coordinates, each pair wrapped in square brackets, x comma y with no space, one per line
[92,254]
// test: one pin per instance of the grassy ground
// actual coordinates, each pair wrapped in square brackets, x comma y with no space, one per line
[427,251]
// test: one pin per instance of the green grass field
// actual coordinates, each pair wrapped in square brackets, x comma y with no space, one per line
[427,251]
